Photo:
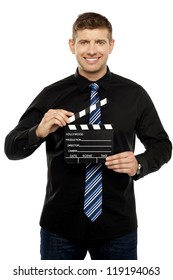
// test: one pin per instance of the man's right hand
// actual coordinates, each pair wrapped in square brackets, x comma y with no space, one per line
[51,121]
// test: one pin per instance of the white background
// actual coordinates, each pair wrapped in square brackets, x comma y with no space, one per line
[34,53]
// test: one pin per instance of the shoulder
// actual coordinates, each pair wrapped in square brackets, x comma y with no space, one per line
[128,85]
[120,80]
[61,83]
[53,92]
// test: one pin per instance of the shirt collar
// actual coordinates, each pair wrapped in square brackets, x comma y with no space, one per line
[83,83]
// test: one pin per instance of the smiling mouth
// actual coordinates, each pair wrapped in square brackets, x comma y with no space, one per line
[91,60]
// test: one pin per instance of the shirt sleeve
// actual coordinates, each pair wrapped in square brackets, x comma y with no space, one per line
[22,140]
[150,131]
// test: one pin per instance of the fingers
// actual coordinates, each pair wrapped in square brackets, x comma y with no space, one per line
[59,117]
[51,121]
[122,163]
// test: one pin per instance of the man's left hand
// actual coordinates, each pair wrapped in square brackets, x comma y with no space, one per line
[124,162]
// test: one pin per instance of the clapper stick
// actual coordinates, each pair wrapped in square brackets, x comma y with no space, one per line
[88,110]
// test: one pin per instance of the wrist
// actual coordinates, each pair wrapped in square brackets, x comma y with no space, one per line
[37,133]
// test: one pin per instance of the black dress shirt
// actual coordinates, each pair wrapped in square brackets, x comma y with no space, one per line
[131,112]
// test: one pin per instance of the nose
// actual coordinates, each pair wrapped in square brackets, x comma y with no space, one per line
[91,48]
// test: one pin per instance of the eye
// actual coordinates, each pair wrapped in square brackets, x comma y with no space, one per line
[100,42]
[83,42]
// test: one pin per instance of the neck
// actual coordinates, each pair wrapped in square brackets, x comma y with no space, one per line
[92,76]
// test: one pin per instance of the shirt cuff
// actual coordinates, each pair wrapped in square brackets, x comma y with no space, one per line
[144,167]
[33,140]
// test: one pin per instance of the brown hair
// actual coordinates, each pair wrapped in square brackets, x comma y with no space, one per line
[91,21]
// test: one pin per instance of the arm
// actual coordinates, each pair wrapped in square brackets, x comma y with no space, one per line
[32,130]
[22,140]
[154,138]
[150,131]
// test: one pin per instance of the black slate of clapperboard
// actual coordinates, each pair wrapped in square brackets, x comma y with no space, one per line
[88,143]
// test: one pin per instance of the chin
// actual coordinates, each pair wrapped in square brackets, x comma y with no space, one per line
[91,69]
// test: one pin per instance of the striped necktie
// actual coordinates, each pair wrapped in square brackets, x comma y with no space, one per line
[93,179]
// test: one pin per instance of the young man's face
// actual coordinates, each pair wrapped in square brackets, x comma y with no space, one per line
[92,48]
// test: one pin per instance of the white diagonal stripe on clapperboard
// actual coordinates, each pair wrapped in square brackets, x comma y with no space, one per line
[88,110]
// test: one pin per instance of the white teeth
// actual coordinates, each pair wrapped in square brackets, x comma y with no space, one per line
[91,59]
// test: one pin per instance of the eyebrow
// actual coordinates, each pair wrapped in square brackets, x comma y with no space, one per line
[83,40]
[86,40]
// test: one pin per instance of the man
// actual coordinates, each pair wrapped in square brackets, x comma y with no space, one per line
[68,230]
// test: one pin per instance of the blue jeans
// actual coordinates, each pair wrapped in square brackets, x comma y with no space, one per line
[55,247]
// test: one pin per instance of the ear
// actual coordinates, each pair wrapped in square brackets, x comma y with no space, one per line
[71,43]
[112,42]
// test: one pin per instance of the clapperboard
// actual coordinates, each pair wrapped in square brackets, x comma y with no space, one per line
[85,143]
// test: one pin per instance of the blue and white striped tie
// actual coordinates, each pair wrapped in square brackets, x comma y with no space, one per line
[93,179]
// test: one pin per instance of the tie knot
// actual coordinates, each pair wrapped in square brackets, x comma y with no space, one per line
[94,87]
